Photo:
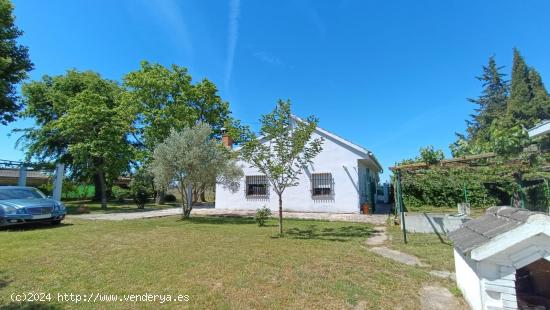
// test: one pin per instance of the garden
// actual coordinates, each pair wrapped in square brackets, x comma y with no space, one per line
[219,262]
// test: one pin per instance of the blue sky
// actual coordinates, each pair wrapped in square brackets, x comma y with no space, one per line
[391,76]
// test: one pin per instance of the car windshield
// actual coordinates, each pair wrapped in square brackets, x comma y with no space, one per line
[19,193]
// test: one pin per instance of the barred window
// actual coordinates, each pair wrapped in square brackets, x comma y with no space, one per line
[256,185]
[321,184]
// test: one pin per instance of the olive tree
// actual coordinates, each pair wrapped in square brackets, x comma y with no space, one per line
[284,150]
[190,157]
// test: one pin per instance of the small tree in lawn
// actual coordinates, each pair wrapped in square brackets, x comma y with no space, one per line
[284,150]
[190,158]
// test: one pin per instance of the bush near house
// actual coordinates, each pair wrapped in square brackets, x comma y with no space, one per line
[261,216]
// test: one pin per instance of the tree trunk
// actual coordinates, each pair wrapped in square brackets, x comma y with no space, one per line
[97,187]
[103,189]
[160,197]
[195,194]
[280,215]
[203,196]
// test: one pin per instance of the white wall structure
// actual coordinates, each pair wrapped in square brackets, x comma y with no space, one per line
[351,169]
[491,249]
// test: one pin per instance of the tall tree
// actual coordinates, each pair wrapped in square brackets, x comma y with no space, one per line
[540,102]
[284,151]
[491,105]
[14,63]
[520,92]
[190,158]
[166,99]
[80,122]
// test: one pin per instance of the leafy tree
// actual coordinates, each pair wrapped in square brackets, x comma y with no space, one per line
[14,63]
[285,149]
[79,122]
[166,99]
[190,158]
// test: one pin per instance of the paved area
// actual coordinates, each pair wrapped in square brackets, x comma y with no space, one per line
[438,298]
[378,237]
[443,274]
[399,257]
[377,219]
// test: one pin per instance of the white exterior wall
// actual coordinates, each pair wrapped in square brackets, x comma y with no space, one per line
[467,280]
[335,158]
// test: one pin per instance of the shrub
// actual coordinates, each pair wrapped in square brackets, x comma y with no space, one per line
[120,193]
[262,214]
[140,188]
[169,198]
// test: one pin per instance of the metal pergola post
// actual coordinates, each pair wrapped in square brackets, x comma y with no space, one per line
[401,206]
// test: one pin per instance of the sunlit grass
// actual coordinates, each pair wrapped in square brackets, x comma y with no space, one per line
[218,262]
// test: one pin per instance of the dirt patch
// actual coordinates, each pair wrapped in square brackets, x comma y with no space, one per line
[438,298]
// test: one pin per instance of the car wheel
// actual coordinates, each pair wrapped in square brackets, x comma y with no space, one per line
[56,222]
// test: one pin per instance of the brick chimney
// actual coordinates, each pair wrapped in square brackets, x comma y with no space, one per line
[227,141]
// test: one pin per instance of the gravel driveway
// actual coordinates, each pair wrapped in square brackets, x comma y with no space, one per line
[377,219]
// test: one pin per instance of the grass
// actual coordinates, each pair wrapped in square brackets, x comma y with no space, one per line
[112,207]
[432,249]
[474,212]
[219,262]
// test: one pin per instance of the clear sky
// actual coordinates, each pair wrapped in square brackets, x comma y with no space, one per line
[391,76]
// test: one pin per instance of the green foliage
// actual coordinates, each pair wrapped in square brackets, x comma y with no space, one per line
[444,188]
[141,187]
[284,149]
[14,63]
[170,198]
[165,99]
[120,193]
[80,122]
[190,158]
[430,155]
[262,215]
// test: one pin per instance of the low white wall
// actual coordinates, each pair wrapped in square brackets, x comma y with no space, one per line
[433,223]
[468,281]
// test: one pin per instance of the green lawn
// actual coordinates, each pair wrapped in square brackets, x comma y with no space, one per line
[434,250]
[219,262]
[113,207]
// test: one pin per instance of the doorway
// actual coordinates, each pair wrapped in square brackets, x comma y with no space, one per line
[533,285]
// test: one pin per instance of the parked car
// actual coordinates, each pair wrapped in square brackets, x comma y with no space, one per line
[20,204]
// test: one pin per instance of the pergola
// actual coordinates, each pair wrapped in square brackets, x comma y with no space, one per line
[474,162]
[22,180]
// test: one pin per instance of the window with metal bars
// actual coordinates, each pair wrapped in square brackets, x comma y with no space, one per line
[256,186]
[321,184]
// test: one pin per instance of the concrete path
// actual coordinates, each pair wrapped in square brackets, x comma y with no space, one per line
[399,257]
[378,237]
[377,219]
[438,298]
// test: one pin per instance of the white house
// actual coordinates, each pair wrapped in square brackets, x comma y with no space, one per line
[502,259]
[342,178]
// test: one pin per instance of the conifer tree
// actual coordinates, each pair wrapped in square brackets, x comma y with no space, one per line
[491,104]
[520,93]
[540,103]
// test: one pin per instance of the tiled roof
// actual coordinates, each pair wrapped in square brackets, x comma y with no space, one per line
[14,173]
[496,221]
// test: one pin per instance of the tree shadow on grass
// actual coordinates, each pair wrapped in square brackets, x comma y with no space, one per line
[3,281]
[33,226]
[340,234]
[227,219]
[29,306]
